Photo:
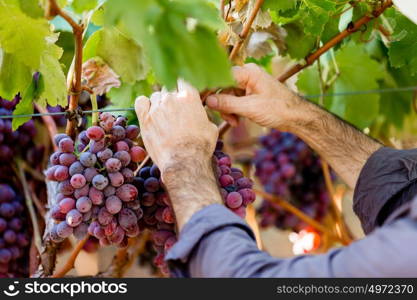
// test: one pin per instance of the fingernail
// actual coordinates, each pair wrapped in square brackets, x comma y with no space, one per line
[212,101]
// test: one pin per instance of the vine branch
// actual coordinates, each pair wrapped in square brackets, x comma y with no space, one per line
[75,83]
[310,59]
[69,265]
[246,30]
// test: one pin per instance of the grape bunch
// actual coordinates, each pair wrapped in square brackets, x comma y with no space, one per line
[287,167]
[14,235]
[158,214]
[95,190]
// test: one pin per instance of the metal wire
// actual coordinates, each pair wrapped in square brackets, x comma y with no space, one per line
[351,93]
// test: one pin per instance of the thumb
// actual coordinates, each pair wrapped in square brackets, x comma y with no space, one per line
[228,104]
[142,105]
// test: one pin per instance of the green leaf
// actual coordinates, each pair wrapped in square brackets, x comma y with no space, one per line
[53,79]
[279,5]
[298,43]
[81,6]
[15,77]
[358,72]
[25,106]
[316,14]
[308,81]
[21,35]
[32,8]
[125,95]
[123,55]
[403,50]
[175,36]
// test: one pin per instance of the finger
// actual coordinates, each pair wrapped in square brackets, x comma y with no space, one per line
[229,104]
[245,75]
[186,88]
[142,105]
[155,98]
[233,120]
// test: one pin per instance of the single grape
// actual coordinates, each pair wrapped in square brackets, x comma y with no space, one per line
[66,205]
[100,182]
[127,218]
[121,121]
[145,172]
[148,199]
[137,154]
[132,132]
[83,138]
[113,165]
[104,154]
[77,181]
[81,231]
[7,210]
[15,224]
[124,157]
[155,172]
[66,145]
[61,173]
[234,200]
[161,236]
[5,256]
[104,216]
[97,146]
[169,243]
[9,236]
[110,228]
[168,215]
[93,225]
[66,159]
[121,146]
[118,133]
[6,193]
[244,183]
[76,168]
[96,196]
[152,184]
[248,196]
[128,175]
[113,204]
[127,192]
[226,180]
[3,225]
[133,231]
[109,190]
[50,173]
[74,218]
[59,137]
[88,159]
[116,179]
[117,236]
[84,204]
[95,133]
[64,230]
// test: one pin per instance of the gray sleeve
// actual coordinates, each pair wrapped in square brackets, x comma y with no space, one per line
[386,182]
[226,248]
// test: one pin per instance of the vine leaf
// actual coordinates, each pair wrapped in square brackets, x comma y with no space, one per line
[14,75]
[358,71]
[25,105]
[315,15]
[175,36]
[80,6]
[20,34]
[99,77]
[402,51]
[123,55]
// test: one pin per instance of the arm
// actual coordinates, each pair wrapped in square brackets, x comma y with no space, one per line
[180,140]
[217,244]
[271,104]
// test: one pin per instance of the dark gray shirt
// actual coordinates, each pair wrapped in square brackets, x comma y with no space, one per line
[217,243]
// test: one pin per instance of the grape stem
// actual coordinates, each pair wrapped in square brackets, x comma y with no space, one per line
[246,30]
[302,216]
[75,84]
[69,265]
[142,164]
[29,205]
[310,59]
[94,108]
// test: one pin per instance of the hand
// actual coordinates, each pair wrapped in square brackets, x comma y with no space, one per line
[180,140]
[267,101]
[175,126]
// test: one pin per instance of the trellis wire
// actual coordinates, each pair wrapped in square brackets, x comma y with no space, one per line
[349,93]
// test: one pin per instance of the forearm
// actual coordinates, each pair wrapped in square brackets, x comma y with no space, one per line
[191,185]
[343,146]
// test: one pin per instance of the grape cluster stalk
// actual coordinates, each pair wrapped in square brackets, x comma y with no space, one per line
[95,191]
[14,233]
[158,214]
[288,168]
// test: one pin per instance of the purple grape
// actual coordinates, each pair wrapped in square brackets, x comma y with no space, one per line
[66,145]
[113,165]
[118,133]
[132,132]
[104,154]
[88,159]
[78,181]
[100,182]
[61,173]
[66,159]
[76,168]
[63,230]
[81,231]
[127,218]
[96,196]
[127,192]
[152,184]
[84,204]
[7,210]
[95,133]
[113,204]
[104,217]
[74,218]
[90,173]
[116,179]
[78,193]
[123,156]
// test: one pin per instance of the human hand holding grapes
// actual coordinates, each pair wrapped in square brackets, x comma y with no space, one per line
[267,102]
[175,126]
[181,140]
